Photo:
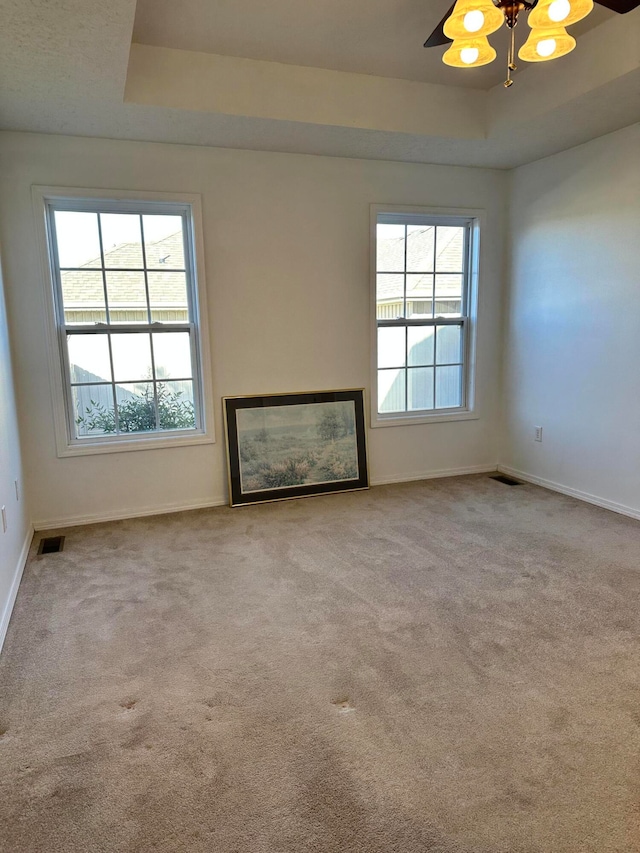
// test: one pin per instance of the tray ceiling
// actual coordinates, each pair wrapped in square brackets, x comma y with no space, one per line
[329,78]
[379,37]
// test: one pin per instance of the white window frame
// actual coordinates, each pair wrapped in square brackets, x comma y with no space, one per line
[438,216]
[123,201]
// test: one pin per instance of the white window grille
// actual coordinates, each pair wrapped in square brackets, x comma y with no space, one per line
[125,305]
[423,298]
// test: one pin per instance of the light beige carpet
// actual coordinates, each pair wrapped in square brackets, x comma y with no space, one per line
[447,666]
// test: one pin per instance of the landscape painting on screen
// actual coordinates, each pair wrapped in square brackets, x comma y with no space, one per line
[294,445]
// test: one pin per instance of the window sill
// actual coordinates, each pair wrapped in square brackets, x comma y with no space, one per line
[126,445]
[405,419]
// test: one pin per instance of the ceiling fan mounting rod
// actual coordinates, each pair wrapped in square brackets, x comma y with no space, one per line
[511,9]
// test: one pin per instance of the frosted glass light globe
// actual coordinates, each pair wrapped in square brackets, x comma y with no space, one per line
[546,47]
[559,9]
[474,20]
[469,55]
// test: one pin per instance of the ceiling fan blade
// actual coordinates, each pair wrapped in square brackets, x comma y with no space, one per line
[620,6]
[438,37]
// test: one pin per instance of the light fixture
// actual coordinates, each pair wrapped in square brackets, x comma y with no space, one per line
[551,13]
[473,18]
[469,52]
[546,43]
[469,22]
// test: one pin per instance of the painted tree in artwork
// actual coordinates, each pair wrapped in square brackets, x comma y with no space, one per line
[348,422]
[330,428]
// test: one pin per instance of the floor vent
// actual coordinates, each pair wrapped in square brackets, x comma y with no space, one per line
[508,481]
[51,545]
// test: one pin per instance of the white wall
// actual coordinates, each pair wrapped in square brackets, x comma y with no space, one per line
[14,543]
[573,347]
[287,254]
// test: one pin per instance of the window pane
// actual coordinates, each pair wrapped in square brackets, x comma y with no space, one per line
[421,276]
[131,356]
[127,297]
[449,345]
[419,295]
[93,410]
[391,347]
[450,249]
[121,240]
[420,240]
[390,248]
[89,358]
[83,297]
[420,345]
[448,387]
[122,267]
[168,297]
[77,239]
[448,294]
[420,389]
[390,296]
[172,355]
[163,242]
[175,405]
[136,407]
[391,391]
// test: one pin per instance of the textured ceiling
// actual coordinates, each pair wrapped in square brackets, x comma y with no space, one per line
[69,67]
[72,47]
[380,37]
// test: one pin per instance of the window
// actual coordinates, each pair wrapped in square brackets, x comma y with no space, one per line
[424,305]
[125,309]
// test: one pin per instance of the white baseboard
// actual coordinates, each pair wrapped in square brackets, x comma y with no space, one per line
[98,517]
[15,585]
[435,475]
[567,490]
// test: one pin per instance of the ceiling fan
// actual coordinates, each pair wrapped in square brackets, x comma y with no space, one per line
[467,24]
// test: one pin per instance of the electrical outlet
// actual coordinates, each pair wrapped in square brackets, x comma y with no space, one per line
[15,483]
[4,519]
[538,433]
